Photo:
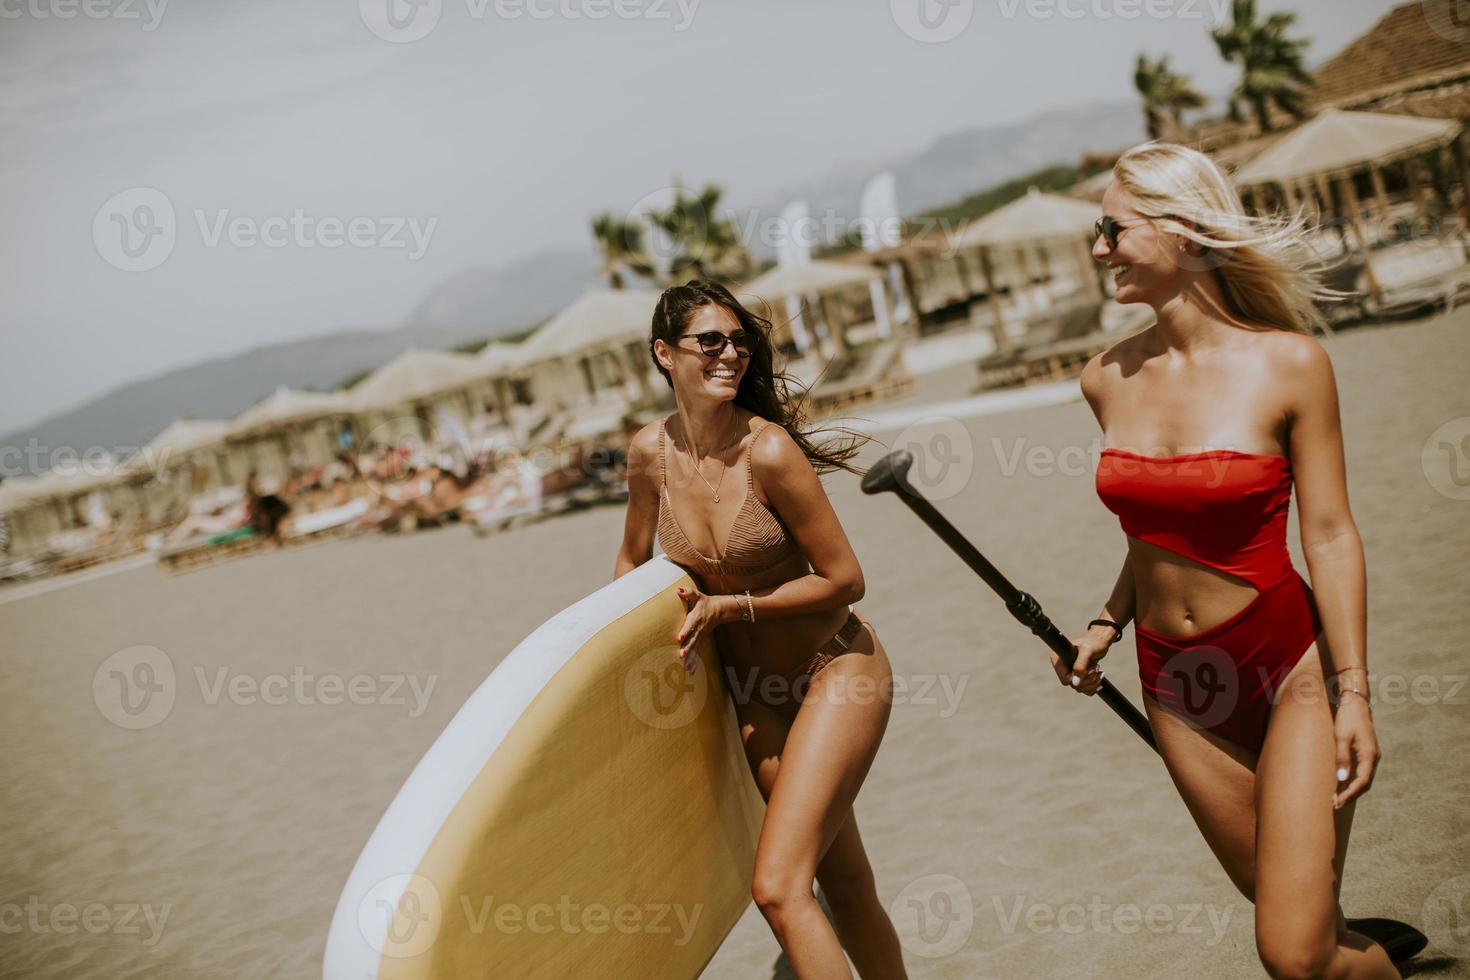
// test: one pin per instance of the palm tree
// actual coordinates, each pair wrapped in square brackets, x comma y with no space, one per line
[1271,66]
[1164,91]
[619,246]
[703,245]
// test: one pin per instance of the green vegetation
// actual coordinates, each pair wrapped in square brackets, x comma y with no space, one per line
[1272,72]
[1166,94]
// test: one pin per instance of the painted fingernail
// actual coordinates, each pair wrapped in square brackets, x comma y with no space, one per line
[1076,681]
[1342,774]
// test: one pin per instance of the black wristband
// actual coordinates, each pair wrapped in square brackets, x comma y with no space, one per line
[1117,629]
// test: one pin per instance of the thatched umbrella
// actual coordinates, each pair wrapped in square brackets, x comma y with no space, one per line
[1035,220]
[815,277]
[1335,145]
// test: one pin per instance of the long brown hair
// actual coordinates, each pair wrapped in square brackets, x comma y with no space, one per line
[771,394]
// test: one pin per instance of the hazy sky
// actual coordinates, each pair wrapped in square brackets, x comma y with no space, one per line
[327,163]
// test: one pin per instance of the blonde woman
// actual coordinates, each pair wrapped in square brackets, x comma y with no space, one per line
[729,482]
[1256,685]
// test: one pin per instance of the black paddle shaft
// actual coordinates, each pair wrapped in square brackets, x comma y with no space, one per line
[891,473]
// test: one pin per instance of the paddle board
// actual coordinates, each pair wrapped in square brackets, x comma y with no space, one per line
[588,812]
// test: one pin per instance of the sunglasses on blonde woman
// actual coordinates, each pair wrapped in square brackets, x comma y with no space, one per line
[1110,228]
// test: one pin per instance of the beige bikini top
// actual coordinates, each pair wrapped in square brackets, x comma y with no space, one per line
[758,540]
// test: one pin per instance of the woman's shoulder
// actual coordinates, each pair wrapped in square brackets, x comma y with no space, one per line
[771,447]
[1112,365]
[1289,354]
[643,447]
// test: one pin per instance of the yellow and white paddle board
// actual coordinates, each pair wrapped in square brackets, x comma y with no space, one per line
[587,813]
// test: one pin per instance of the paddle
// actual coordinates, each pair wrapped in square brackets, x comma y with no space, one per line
[1399,939]
[891,474]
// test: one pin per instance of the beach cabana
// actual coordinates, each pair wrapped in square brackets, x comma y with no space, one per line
[421,381]
[819,278]
[39,507]
[1031,226]
[502,361]
[181,440]
[182,445]
[603,336]
[290,419]
[1335,146]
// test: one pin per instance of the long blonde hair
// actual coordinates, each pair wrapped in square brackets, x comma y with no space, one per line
[1266,266]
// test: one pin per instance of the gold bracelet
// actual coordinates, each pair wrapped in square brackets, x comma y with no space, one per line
[740,606]
[1353,690]
[1344,670]
[750,599]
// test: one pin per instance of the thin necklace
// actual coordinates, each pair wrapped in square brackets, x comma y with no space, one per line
[715,487]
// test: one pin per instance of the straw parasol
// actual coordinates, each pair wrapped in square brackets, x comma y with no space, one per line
[1335,145]
[809,278]
[813,277]
[1031,223]
[1037,217]
[1338,142]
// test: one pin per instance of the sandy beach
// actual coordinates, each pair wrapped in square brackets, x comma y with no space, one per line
[213,842]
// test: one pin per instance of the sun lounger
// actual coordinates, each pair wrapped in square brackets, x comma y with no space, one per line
[1055,345]
[209,549]
[866,374]
[329,522]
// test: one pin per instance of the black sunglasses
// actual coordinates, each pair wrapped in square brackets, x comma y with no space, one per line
[712,342]
[1110,228]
